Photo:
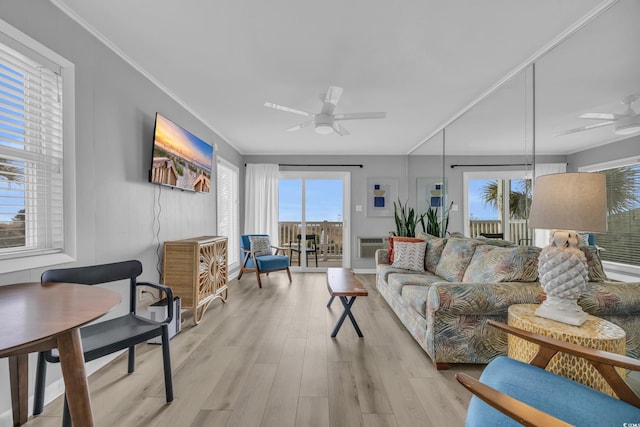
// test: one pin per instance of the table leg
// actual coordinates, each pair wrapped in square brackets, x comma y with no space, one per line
[18,378]
[347,303]
[330,300]
[75,378]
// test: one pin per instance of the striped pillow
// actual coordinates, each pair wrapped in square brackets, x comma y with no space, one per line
[409,255]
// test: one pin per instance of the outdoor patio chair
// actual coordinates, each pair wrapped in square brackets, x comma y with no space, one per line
[112,335]
[311,247]
[260,258]
[513,393]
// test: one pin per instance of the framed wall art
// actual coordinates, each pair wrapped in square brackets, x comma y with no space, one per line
[381,193]
[431,193]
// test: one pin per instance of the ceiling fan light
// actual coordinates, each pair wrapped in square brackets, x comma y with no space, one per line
[323,128]
[628,125]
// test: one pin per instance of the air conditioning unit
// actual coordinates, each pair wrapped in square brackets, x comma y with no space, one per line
[367,246]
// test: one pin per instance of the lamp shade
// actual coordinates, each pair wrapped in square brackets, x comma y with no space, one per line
[570,201]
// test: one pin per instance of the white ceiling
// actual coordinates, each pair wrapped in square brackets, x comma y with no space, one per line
[420,61]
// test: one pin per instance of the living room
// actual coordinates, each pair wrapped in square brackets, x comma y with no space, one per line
[502,121]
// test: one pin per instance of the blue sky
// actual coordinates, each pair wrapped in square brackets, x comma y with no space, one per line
[324,200]
[477,210]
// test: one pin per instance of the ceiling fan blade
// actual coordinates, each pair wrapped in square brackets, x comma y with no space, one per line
[340,130]
[288,109]
[601,116]
[300,126]
[580,129]
[356,116]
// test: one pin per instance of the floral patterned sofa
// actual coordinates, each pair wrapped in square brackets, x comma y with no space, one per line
[445,303]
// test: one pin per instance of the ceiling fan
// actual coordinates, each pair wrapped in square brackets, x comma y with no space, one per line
[326,121]
[626,123]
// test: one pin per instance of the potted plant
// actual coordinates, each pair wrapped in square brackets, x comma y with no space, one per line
[435,225]
[406,220]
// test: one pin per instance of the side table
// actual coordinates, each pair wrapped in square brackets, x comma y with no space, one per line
[595,333]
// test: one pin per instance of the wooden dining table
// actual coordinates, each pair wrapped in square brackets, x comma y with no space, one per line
[41,316]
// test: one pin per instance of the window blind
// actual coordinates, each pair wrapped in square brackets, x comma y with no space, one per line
[228,221]
[621,243]
[31,156]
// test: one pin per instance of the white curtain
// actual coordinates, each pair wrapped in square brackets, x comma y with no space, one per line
[541,237]
[261,200]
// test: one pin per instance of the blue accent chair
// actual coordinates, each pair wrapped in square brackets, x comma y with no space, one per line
[514,393]
[262,263]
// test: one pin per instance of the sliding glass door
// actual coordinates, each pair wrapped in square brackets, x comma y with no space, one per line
[312,221]
[497,205]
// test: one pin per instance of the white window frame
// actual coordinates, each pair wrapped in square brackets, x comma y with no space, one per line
[19,41]
[616,270]
[476,175]
[233,242]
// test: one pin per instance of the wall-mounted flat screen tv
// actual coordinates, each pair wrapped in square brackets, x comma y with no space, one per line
[180,159]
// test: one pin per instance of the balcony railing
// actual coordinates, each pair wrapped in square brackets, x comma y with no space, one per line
[518,232]
[329,236]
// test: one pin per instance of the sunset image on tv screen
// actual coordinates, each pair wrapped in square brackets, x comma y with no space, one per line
[180,159]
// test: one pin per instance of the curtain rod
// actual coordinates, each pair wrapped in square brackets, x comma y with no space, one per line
[321,165]
[493,165]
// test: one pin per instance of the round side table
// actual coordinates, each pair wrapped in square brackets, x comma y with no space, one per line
[595,333]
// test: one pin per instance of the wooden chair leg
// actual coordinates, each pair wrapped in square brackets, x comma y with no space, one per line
[289,273]
[258,276]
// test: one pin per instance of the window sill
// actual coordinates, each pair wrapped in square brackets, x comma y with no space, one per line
[622,272]
[27,263]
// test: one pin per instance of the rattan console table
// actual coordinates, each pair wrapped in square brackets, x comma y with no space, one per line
[196,270]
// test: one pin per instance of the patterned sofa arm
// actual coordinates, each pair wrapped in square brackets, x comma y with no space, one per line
[480,298]
[611,298]
[382,256]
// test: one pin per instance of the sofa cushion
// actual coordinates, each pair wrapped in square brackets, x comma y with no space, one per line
[398,281]
[410,255]
[455,258]
[433,253]
[384,271]
[498,264]
[415,297]
[596,271]
[394,239]
[495,242]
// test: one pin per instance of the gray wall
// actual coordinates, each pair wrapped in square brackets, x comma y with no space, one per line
[115,110]
[629,147]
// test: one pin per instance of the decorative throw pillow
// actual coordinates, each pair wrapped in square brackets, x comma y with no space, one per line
[432,256]
[496,242]
[394,239]
[260,245]
[596,271]
[491,264]
[409,255]
[455,258]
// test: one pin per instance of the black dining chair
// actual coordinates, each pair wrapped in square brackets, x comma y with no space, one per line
[109,336]
[310,247]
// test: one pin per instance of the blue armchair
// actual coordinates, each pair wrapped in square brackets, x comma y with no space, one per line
[513,393]
[258,256]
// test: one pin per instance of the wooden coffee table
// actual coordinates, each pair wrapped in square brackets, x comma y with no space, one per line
[343,283]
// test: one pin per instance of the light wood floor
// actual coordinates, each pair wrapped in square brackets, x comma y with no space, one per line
[265,358]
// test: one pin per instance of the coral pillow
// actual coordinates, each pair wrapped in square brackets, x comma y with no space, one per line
[393,239]
[410,255]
